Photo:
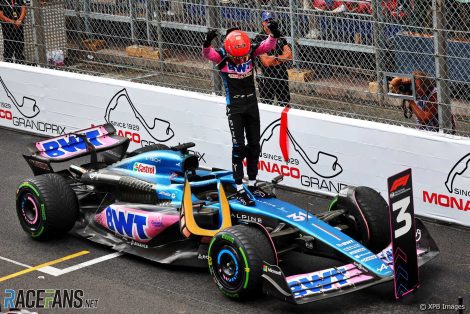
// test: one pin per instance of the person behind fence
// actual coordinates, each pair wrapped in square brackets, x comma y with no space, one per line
[274,82]
[12,15]
[425,108]
[235,64]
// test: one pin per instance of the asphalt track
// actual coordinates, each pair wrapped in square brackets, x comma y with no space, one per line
[128,284]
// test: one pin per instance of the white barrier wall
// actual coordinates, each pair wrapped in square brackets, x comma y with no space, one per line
[326,152]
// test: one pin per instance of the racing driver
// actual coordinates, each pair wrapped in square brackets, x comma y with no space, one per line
[235,61]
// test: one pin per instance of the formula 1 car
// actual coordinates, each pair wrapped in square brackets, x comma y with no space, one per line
[156,202]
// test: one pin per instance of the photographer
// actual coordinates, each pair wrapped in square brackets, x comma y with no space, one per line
[425,107]
[12,15]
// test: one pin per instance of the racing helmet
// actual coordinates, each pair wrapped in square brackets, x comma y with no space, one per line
[237,44]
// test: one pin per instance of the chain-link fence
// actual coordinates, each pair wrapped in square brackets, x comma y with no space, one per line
[339,56]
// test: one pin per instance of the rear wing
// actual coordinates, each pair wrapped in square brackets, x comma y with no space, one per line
[78,144]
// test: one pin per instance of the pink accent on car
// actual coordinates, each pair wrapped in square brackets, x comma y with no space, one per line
[136,224]
[57,145]
[35,210]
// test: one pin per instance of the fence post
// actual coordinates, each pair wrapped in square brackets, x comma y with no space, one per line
[440,58]
[293,27]
[157,14]
[212,22]
[40,38]
[87,11]
[378,45]
[133,16]
[149,8]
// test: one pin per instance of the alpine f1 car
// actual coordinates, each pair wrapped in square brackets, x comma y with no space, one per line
[156,202]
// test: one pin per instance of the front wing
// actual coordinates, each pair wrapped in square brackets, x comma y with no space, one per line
[327,283]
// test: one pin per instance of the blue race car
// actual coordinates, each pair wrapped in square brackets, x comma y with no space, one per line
[156,202]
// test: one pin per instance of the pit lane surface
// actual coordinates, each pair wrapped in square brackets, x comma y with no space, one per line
[128,284]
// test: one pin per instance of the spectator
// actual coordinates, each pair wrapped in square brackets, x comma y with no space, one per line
[390,8]
[425,108]
[235,63]
[334,6]
[12,15]
[274,82]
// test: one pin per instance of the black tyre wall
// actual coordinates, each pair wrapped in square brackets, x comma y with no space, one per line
[371,213]
[57,204]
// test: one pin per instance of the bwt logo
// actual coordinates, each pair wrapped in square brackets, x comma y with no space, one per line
[70,144]
[319,282]
[129,225]
[240,68]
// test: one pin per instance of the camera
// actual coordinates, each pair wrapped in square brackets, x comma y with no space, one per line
[405,89]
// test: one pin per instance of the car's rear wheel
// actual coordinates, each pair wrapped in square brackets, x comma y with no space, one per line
[46,206]
[236,257]
[147,149]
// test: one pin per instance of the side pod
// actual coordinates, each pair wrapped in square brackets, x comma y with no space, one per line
[188,225]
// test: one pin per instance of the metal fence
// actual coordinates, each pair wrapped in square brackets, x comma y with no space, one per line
[345,53]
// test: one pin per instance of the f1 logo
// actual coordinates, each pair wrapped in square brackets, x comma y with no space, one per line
[400,182]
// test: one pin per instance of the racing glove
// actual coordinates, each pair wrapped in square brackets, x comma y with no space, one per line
[273,27]
[209,37]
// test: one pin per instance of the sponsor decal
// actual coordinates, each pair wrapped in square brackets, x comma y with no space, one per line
[457,184]
[241,68]
[227,237]
[300,216]
[142,245]
[202,256]
[141,129]
[247,217]
[268,269]
[128,224]
[312,171]
[69,144]
[319,282]
[25,115]
[143,168]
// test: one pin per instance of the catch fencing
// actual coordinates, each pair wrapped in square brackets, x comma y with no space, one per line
[344,53]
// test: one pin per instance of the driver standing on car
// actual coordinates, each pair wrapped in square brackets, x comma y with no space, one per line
[235,61]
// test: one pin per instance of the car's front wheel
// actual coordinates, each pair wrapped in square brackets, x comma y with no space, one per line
[236,257]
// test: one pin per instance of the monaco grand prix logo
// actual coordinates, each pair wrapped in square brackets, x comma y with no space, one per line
[24,115]
[458,179]
[142,129]
[457,184]
[313,170]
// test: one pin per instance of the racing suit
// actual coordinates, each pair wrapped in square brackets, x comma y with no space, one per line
[242,106]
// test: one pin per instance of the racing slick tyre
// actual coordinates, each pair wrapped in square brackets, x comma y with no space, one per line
[147,149]
[46,206]
[371,215]
[236,257]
